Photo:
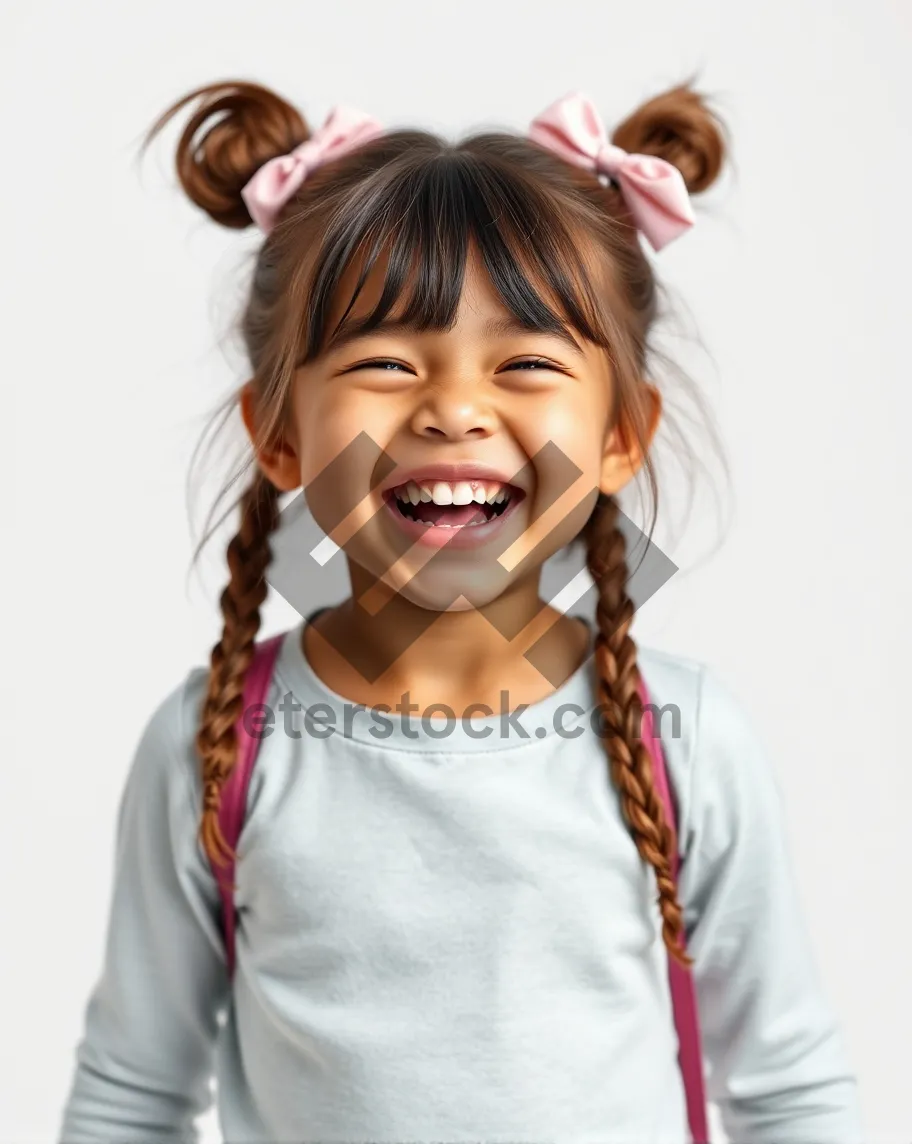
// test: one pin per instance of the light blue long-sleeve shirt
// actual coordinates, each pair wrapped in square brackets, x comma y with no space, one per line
[452,937]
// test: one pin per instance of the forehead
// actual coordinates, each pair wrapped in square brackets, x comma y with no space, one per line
[469,294]
[476,293]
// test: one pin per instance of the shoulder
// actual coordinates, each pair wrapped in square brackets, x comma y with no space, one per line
[716,758]
[707,704]
[165,757]
[168,746]
[674,684]
[160,858]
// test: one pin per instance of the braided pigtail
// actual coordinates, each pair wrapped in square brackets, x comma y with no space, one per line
[216,741]
[622,714]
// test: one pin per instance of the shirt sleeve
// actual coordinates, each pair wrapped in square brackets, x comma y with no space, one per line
[777,1068]
[145,1063]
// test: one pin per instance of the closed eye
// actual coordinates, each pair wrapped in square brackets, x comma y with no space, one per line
[532,363]
[378,363]
[389,364]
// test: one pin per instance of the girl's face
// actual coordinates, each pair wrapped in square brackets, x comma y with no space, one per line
[450,465]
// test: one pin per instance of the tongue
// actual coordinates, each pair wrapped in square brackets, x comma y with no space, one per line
[449,514]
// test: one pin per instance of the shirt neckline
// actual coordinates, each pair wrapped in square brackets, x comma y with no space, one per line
[567,712]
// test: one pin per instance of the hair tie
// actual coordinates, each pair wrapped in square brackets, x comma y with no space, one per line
[276,181]
[654,190]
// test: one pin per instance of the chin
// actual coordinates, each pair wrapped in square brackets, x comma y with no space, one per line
[438,593]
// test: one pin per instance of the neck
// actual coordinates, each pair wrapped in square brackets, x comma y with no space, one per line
[516,644]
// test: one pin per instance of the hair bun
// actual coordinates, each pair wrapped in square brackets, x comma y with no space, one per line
[246,125]
[677,126]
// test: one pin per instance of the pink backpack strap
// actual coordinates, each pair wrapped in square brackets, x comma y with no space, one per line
[233,806]
[683,992]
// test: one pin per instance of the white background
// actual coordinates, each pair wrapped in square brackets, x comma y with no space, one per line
[117,299]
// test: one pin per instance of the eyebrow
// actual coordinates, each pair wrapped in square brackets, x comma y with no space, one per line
[494,328]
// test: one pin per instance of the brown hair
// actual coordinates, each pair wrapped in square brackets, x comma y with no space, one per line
[420,200]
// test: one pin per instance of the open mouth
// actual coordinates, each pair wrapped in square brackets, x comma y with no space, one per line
[453,504]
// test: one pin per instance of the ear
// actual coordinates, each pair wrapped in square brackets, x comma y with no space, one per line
[280,461]
[624,453]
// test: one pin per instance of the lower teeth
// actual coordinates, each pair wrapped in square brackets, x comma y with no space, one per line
[442,524]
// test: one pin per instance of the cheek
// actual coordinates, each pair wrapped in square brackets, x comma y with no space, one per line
[343,432]
[343,437]
[565,431]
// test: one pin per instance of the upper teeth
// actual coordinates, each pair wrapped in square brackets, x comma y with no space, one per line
[455,492]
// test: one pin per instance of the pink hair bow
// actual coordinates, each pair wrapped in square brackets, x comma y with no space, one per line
[276,181]
[653,189]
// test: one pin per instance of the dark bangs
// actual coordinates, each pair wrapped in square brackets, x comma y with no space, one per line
[421,209]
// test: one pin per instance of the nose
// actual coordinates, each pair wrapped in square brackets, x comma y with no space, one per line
[455,412]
